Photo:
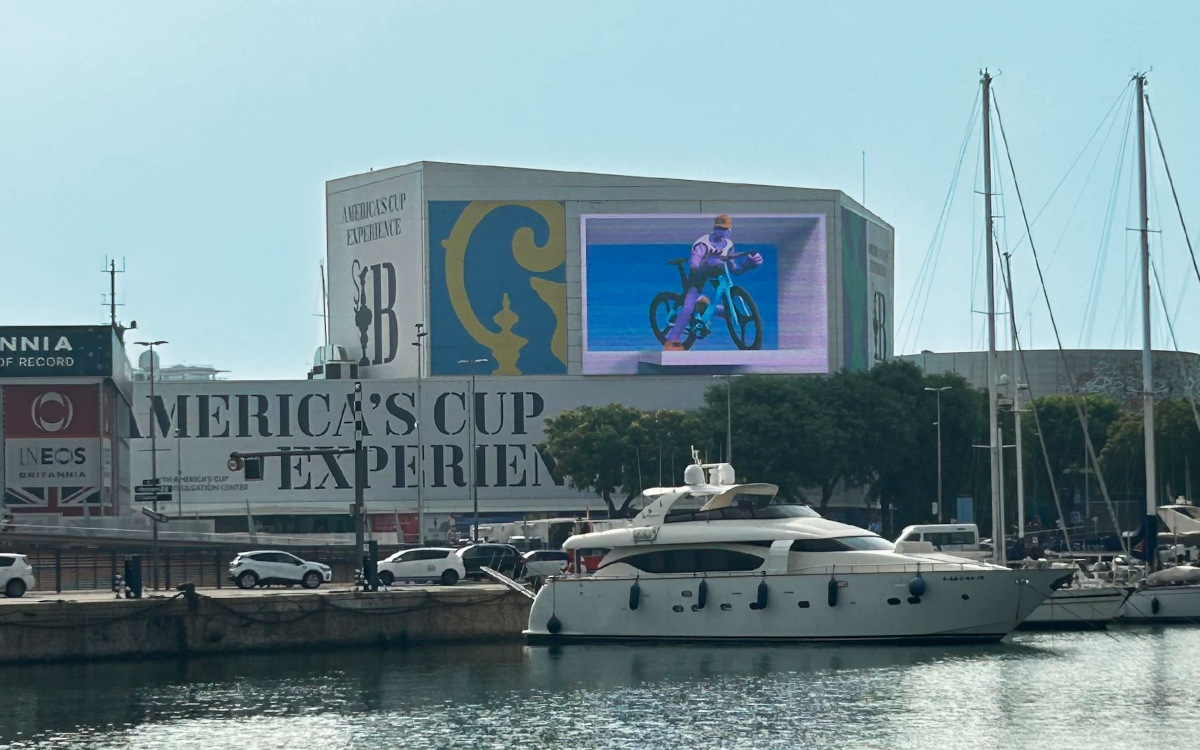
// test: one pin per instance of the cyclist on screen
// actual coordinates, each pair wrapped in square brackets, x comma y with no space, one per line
[709,255]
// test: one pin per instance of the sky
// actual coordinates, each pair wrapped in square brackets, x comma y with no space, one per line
[191,142]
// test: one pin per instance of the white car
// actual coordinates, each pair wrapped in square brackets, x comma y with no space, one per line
[267,567]
[422,564]
[16,575]
[544,563]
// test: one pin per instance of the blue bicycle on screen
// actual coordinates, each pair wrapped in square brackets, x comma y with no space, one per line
[726,300]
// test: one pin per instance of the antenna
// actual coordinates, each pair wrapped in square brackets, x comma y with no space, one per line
[324,305]
[110,300]
[864,191]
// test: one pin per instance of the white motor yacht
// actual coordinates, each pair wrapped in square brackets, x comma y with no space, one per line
[719,560]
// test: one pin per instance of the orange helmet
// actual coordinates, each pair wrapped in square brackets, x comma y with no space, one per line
[723,222]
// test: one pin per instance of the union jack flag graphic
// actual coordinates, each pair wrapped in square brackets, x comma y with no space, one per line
[69,501]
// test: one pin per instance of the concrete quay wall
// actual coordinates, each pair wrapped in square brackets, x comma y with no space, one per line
[197,623]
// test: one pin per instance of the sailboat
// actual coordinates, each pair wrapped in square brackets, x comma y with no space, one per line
[1085,603]
[1172,594]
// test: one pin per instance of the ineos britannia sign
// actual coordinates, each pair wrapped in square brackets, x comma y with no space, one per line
[56,351]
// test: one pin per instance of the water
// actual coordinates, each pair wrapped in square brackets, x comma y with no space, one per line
[1129,688]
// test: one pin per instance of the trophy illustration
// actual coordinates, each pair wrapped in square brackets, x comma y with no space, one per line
[362,313]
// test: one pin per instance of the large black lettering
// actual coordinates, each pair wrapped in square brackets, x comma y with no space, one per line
[405,464]
[216,417]
[259,415]
[537,405]
[392,404]
[511,472]
[304,416]
[285,415]
[385,309]
[161,417]
[452,464]
[481,413]
[439,413]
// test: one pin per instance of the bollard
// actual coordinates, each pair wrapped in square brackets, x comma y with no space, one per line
[133,577]
[57,572]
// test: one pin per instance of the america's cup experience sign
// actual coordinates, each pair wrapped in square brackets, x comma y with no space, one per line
[202,423]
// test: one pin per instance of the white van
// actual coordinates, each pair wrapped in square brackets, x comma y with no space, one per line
[958,539]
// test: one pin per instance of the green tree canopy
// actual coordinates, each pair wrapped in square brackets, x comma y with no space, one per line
[615,450]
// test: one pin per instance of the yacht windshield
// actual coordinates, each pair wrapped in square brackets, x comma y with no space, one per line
[842,544]
[741,508]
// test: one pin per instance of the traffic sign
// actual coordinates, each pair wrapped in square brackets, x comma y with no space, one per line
[151,482]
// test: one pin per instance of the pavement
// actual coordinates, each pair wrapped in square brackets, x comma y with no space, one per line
[230,592]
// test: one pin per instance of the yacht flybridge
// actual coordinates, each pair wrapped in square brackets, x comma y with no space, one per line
[721,560]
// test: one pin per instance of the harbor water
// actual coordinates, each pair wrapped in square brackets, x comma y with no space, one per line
[1129,687]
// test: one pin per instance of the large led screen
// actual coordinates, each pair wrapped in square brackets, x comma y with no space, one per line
[731,292]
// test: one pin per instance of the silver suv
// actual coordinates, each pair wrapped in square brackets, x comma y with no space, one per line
[266,567]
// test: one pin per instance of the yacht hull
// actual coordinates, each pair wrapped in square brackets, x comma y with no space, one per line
[957,605]
[1086,608]
[1153,604]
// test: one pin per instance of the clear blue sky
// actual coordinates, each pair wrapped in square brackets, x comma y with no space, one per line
[194,139]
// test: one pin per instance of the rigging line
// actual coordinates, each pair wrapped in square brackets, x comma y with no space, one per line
[1037,423]
[1079,198]
[939,229]
[1170,181]
[929,271]
[1096,286]
[1078,156]
[1182,370]
[1087,438]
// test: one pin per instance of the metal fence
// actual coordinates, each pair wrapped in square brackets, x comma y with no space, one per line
[95,568]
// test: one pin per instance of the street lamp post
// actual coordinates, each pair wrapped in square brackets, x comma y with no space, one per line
[153,460]
[941,513]
[728,416]
[471,483]
[421,333]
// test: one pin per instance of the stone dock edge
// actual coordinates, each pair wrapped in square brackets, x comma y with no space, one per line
[192,624]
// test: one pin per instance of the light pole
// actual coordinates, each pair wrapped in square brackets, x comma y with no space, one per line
[153,459]
[941,510]
[421,333]
[728,416]
[471,445]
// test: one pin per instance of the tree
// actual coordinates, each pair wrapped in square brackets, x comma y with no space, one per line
[613,450]
[1062,437]
[785,430]
[1176,441]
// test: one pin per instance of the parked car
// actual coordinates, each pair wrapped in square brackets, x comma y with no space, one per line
[423,564]
[267,567]
[543,563]
[16,575]
[503,558]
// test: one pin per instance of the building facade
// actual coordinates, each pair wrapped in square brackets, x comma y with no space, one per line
[536,292]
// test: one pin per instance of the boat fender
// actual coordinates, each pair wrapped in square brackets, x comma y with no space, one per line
[635,595]
[702,594]
[833,591]
[1154,605]
[761,601]
[916,585]
[553,625]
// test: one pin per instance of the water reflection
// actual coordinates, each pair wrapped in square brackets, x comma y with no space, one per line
[1045,686]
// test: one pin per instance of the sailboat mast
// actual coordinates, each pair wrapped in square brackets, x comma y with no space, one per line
[1150,523]
[993,418]
[1016,399]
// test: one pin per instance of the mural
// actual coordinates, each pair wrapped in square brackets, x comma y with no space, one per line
[498,293]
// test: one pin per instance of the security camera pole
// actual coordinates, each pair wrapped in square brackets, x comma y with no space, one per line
[153,460]
[237,461]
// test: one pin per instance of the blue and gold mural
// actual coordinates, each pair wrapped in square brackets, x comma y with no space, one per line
[498,292]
